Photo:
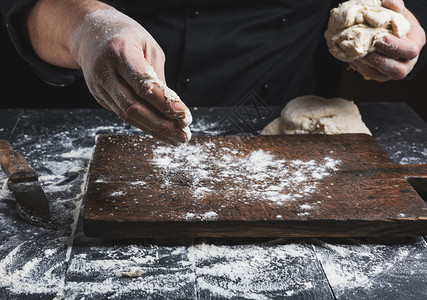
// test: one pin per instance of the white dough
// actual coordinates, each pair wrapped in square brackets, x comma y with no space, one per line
[272,128]
[133,273]
[312,114]
[356,25]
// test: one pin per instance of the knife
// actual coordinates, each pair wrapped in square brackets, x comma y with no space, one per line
[31,202]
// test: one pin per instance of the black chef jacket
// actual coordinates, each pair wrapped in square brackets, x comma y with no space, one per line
[218,51]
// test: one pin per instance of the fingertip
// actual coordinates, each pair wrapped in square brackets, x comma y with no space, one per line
[187,118]
[154,90]
[180,112]
[179,135]
[178,106]
[187,133]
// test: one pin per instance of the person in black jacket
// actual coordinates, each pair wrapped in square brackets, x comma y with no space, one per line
[209,52]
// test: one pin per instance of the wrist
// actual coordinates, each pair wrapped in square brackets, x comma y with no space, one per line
[49,25]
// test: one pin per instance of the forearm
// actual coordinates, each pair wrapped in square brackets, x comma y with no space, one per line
[50,24]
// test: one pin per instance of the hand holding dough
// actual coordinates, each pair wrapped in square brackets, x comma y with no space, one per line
[395,57]
[312,114]
[355,26]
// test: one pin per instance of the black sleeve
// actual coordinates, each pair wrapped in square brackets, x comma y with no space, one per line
[419,9]
[11,12]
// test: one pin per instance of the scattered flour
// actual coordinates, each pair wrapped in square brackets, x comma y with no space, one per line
[49,252]
[210,215]
[85,153]
[254,272]
[230,272]
[258,175]
[354,269]
[403,151]
[203,126]
[118,193]
[5,192]
[33,262]
[306,206]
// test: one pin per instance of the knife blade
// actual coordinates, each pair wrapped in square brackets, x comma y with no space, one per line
[31,202]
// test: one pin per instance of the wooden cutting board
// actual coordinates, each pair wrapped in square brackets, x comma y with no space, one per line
[251,186]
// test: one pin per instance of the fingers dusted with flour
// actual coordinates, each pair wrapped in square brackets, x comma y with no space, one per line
[122,63]
[395,57]
[379,39]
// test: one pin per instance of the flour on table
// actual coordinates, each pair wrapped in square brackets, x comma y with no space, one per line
[312,114]
[356,25]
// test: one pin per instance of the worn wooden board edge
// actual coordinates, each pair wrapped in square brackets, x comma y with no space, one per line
[271,229]
[280,228]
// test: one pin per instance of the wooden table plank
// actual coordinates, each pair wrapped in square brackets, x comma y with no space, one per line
[45,257]
[8,122]
[129,271]
[398,129]
[375,269]
[58,144]
[277,269]
[404,137]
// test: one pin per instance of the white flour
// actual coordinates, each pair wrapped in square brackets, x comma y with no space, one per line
[246,271]
[353,268]
[84,153]
[259,175]
[203,126]
[34,261]
[401,150]
[253,272]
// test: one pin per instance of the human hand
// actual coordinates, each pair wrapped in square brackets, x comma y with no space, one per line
[395,57]
[124,69]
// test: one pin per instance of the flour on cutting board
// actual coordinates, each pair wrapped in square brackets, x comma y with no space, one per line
[34,261]
[257,176]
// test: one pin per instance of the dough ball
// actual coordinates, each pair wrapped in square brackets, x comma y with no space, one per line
[272,128]
[355,26]
[317,115]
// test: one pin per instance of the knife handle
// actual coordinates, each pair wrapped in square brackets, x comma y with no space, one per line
[14,165]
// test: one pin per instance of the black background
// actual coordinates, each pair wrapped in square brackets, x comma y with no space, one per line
[22,88]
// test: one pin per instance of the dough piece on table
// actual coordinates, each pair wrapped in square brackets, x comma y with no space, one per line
[272,128]
[355,26]
[317,115]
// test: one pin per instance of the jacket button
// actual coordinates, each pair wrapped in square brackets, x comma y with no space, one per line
[283,21]
[194,14]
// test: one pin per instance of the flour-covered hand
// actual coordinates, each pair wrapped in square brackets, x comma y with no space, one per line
[124,69]
[395,57]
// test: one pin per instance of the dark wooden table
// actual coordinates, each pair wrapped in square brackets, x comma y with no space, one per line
[38,263]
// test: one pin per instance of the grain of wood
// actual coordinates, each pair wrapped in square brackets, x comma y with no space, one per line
[347,187]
